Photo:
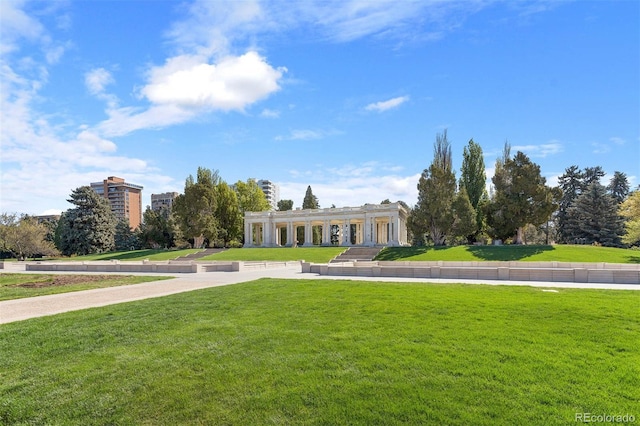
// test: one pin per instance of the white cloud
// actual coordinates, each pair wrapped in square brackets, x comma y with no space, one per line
[387,105]
[618,141]
[270,113]
[233,83]
[352,185]
[600,148]
[97,79]
[16,24]
[301,135]
[539,151]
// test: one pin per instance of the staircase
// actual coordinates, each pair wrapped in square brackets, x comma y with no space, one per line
[354,254]
[200,254]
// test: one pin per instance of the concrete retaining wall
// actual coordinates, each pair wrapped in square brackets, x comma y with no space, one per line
[170,267]
[512,271]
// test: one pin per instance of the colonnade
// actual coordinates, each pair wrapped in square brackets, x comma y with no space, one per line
[369,225]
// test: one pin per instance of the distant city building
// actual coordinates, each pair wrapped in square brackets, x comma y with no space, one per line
[271,191]
[163,201]
[125,199]
[47,218]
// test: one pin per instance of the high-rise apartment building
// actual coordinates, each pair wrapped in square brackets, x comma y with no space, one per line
[125,199]
[271,191]
[162,201]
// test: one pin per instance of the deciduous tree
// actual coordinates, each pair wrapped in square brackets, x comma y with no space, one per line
[630,211]
[250,197]
[24,237]
[229,217]
[195,210]
[285,205]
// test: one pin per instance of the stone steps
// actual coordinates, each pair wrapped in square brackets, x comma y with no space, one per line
[357,254]
[200,254]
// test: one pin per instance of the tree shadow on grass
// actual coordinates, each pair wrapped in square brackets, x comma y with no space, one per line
[126,255]
[507,252]
[397,253]
[633,259]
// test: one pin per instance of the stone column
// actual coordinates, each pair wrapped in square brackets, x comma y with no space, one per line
[308,234]
[248,235]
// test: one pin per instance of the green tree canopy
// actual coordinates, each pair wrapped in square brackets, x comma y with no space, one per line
[195,210]
[125,238]
[250,197]
[158,229]
[229,217]
[619,187]
[474,180]
[310,201]
[433,213]
[285,205]
[87,228]
[521,197]
[24,237]
[594,217]
[630,211]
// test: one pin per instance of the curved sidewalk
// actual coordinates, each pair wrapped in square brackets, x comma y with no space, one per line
[21,309]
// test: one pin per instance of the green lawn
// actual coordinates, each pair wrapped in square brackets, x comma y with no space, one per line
[17,286]
[309,254]
[558,253]
[329,352]
[150,254]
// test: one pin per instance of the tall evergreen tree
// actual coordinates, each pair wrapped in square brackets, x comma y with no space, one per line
[433,214]
[521,197]
[619,187]
[310,201]
[571,183]
[594,217]
[87,228]
[591,175]
[474,179]
[125,238]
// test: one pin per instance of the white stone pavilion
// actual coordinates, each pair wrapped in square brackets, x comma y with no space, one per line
[369,225]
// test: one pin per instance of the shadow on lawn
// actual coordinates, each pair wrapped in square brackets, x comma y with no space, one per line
[136,254]
[508,252]
[633,259]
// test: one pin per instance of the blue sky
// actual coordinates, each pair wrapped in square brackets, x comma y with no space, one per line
[345,96]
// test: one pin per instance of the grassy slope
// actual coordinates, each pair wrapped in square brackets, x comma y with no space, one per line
[134,255]
[309,254]
[9,284]
[329,352]
[558,253]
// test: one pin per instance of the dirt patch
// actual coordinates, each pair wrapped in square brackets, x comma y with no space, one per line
[62,280]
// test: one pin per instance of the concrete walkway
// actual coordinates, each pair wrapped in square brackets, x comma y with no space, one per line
[21,309]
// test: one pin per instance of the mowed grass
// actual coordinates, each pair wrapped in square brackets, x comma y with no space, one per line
[281,254]
[557,253]
[18,286]
[133,255]
[329,352]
